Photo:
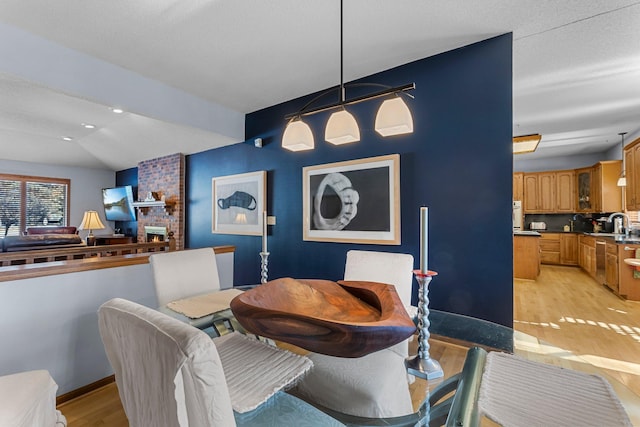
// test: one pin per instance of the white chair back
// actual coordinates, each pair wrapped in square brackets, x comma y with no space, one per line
[28,399]
[168,373]
[384,267]
[183,274]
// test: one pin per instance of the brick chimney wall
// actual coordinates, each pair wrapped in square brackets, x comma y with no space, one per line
[164,176]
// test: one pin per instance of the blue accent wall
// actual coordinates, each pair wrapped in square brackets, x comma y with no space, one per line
[458,162]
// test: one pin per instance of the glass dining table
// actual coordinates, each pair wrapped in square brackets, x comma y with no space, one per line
[461,344]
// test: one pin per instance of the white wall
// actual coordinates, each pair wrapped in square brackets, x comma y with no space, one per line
[86,187]
[51,322]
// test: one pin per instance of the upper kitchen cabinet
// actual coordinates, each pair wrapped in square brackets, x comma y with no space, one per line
[583,183]
[565,191]
[632,172]
[598,189]
[539,192]
[549,192]
[518,186]
[606,196]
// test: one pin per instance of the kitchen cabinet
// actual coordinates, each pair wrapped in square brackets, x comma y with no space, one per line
[628,285]
[559,248]
[569,249]
[632,172]
[565,191]
[587,255]
[526,257]
[539,192]
[550,248]
[592,189]
[606,196]
[611,266]
[518,186]
[583,184]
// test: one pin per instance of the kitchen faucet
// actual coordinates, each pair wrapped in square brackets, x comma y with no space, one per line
[625,217]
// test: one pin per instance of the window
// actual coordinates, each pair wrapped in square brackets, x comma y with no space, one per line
[28,201]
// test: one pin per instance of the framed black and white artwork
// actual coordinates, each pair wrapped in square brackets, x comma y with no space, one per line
[238,203]
[356,201]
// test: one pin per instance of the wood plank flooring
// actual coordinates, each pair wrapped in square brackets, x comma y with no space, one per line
[563,318]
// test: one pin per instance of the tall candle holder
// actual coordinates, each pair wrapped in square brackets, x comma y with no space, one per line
[422,365]
[264,270]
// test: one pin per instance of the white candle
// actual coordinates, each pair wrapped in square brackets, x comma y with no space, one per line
[424,240]
[264,231]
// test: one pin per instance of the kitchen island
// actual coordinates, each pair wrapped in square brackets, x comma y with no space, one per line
[526,255]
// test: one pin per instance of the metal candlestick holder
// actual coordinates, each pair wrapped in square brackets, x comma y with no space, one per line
[264,270]
[422,365]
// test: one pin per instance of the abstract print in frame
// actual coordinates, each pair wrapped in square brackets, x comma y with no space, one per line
[238,203]
[356,201]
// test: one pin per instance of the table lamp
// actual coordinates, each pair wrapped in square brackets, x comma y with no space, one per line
[91,221]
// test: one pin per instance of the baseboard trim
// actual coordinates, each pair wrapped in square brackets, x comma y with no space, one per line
[84,390]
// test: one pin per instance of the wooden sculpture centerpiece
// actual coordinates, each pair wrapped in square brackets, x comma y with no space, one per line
[343,319]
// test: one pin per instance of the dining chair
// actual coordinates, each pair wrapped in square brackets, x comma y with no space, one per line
[187,273]
[184,273]
[375,385]
[28,399]
[172,374]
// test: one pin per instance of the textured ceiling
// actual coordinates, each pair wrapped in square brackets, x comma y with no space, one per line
[576,65]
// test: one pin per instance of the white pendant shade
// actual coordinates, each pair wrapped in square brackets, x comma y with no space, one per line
[297,136]
[622,181]
[342,128]
[394,118]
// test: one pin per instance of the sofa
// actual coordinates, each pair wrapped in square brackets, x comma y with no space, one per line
[37,238]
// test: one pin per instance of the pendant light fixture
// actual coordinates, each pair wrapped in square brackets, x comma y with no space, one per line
[622,181]
[393,116]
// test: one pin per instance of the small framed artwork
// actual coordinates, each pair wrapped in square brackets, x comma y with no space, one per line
[357,201]
[238,203]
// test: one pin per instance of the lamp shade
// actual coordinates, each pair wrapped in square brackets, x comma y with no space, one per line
[91,221]
[297,136]
[622,181]
[394,118]
[240,218]
[342,128]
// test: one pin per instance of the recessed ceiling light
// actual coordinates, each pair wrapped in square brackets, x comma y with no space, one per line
[117,110]
[67,138]
[526,143]
[88,126]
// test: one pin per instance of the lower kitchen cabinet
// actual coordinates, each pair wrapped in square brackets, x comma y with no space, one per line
[611,266]
[569,249]
[559,248]
[526,257]
[587,255]
[628,285]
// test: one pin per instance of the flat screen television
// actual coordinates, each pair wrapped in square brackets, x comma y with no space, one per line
[118,203]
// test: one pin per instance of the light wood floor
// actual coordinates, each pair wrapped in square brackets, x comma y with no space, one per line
[563,318]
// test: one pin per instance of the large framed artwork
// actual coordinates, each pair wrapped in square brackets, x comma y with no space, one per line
[238,203]
[357,201]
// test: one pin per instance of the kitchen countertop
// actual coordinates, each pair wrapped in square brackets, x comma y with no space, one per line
[525,233]
[617,238]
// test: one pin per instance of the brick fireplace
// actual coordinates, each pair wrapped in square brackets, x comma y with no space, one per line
[162,177]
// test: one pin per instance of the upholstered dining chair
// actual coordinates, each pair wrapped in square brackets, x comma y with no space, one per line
[375,385]
[28,399]
[185,273]
[172,374]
